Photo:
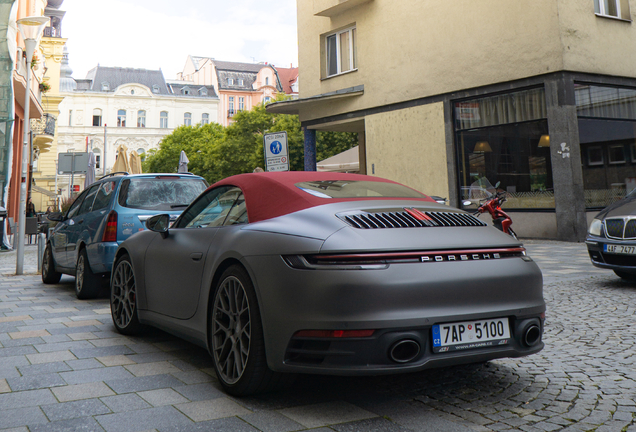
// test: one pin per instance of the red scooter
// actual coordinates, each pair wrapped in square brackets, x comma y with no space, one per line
[500,219]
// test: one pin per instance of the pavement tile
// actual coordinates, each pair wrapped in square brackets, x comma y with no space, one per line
[164,418]
[227,424]
[147,369]
[269,421]
[82,391]
[101,351]
[4,386]
[82,323]
[109,342]
[21,417]
[198,392]
[193,377]
[125,402]
[324,414]
[95,375]
[212,409]
[76,409]
[86,424]
[84,364]
[44,368]
[14,318]
[16,351]
[377,424]
[24,399]
[116,360]
[50,357]
[162,397]
[28,334]
[82,336]
[33,382]
[153,357]
[137,384]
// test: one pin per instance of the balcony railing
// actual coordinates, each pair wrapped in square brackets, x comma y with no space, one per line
[232,112]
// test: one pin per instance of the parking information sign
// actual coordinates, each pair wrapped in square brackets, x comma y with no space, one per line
[276,154]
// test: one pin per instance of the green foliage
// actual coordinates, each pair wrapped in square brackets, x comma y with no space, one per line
[216,152]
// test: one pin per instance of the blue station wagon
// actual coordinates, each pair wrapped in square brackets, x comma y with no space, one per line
[108,212]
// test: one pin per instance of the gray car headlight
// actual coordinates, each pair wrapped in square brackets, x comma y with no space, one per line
[596,227]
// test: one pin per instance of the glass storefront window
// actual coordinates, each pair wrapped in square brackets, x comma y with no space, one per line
[504,138]
[607,133]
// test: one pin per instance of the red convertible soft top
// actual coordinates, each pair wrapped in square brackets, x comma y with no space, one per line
[272,194]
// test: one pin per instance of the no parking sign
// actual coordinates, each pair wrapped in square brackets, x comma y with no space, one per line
[276,153]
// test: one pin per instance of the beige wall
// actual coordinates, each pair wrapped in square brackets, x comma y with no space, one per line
[408,146]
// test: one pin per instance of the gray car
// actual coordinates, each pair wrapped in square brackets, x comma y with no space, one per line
[328,273]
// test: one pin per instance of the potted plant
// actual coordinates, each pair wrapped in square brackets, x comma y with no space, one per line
[44,87]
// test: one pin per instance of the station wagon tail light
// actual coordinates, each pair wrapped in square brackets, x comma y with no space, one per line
[110,232]
[333,333]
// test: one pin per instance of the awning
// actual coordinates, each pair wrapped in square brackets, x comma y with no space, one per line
[293,106]
[347,161]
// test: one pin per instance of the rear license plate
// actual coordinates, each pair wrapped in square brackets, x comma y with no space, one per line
[619,249]
[470,334]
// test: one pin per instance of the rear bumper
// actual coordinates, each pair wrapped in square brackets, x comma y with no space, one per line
[401,302]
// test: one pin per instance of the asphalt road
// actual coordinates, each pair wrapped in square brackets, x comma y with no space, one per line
[62,367]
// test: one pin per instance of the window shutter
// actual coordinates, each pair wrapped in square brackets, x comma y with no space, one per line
[625,10]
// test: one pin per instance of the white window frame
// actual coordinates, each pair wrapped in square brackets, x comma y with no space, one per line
[187,119]
[240,82]
[141,118]
[205,118]
[230,81]
[353,63]
[121,118]
[97,114]
[241,103]
[163,119]
[599,9]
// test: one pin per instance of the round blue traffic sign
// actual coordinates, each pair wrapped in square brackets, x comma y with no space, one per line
[275,147]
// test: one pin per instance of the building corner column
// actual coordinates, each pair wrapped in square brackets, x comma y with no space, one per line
[565,155]
[310,149]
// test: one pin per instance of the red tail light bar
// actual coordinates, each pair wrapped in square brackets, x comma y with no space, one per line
[110,231]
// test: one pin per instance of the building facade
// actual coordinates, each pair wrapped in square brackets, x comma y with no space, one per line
[131,107]
[13,94]
[241,86]
[448,97]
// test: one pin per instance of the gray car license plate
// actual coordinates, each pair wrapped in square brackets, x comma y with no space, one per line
[470,334]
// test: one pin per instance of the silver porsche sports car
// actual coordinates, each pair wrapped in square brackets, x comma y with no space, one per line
[328,273]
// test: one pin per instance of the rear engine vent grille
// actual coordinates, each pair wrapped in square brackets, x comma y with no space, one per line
[410,218]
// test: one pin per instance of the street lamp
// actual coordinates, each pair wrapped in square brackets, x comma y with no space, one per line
[31,29]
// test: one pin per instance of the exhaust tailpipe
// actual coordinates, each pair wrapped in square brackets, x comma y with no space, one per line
[532,335]
[404,351]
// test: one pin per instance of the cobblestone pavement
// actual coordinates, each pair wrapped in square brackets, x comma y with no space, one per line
[62,367]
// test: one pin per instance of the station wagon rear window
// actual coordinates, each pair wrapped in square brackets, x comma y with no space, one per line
[357,189]
[166,193]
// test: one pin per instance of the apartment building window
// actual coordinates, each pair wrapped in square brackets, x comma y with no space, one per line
[98,158]
[97,117]
[230,106]
[240,82]
[187,119]
[340,50]
[155,88]
[230,81]
[70,117]
[205,118]
[163,120]
[241,103]
[121,118]
[612,8]
[141,118]
[266,80]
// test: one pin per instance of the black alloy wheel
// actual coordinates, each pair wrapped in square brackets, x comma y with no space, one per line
[236,334]
[123,298]
[87,285]
[49,275]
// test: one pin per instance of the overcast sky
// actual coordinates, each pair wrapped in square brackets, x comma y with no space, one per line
[155,34]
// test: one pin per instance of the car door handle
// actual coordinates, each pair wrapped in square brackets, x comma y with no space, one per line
[196,256]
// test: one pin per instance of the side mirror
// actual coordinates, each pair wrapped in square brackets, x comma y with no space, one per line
[55,217]
[467,203]
[159,223]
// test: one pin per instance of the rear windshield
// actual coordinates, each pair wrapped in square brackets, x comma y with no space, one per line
[163,193]
[357,189]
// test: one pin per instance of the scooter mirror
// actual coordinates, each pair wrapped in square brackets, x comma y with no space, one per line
[467,203]
[497,185]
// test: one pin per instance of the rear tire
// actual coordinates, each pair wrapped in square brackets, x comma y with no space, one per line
[49,275]
[123,298]
[236,337]
[87,284]
[626,276]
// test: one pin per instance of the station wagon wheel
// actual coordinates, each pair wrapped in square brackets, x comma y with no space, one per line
[123,297]
[236,337]
[87,284]
[49,275]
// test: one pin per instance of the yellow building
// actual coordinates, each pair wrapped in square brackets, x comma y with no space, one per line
[447,96]
[44,186]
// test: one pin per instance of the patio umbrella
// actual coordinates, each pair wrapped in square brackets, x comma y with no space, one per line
[121,164]
[135,163]
[90,172]
[183,163]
